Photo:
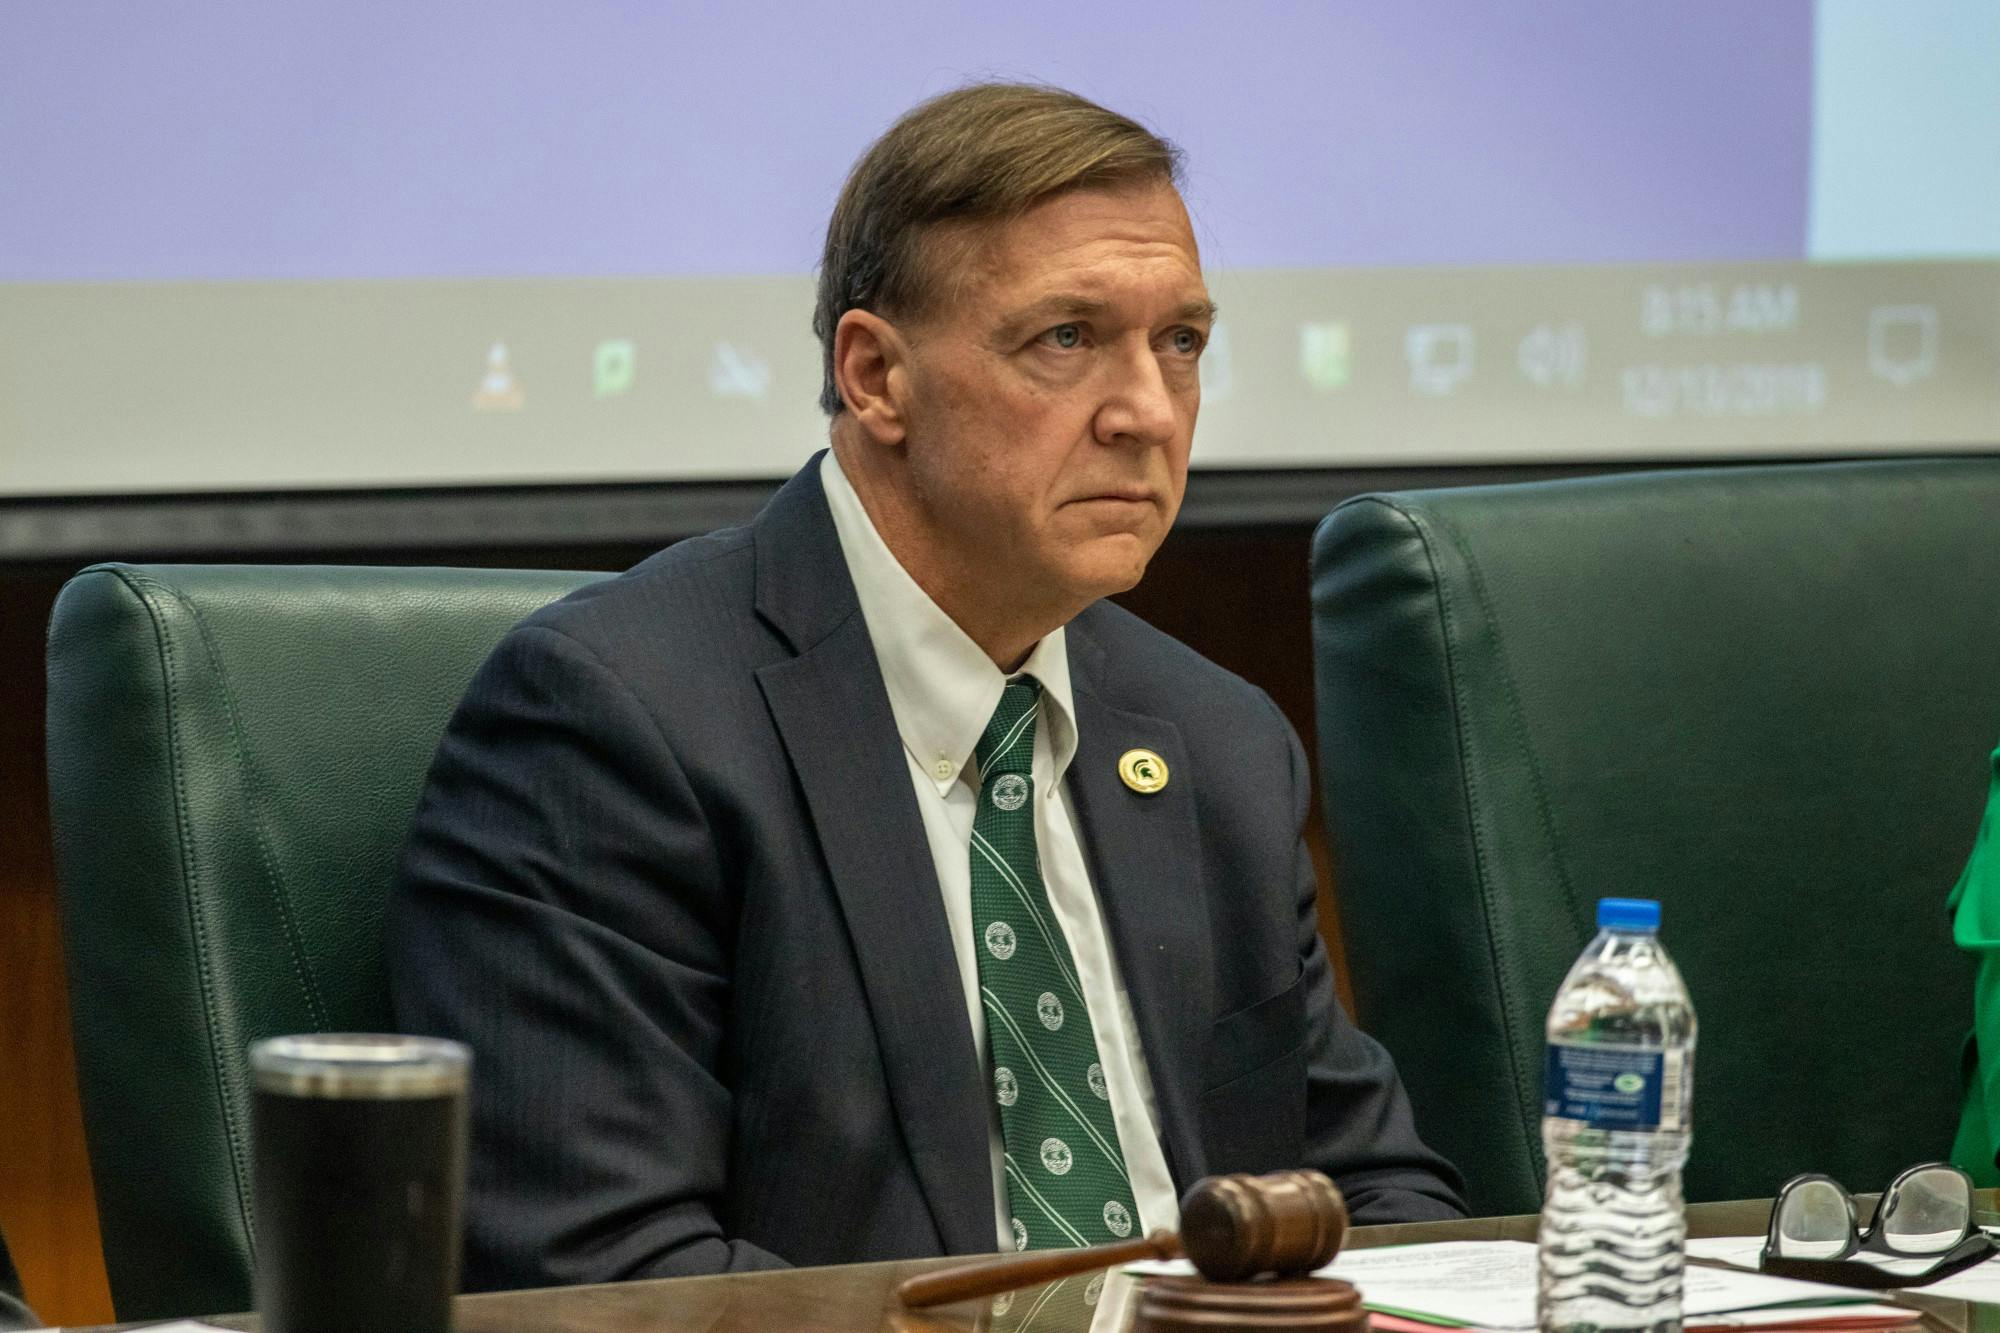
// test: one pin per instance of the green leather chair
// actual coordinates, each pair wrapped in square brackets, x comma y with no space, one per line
[1761,695]
[234,753]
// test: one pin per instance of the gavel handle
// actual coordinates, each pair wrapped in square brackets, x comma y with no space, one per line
[989,1277]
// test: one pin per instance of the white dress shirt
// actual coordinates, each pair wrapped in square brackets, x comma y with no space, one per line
[943,689]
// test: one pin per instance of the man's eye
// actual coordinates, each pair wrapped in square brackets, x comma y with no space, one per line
[1064,336]
[1187,341]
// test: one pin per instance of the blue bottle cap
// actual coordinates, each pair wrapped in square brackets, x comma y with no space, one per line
[1628,914]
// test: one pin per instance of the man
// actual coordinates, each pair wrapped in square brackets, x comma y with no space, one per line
[858,884]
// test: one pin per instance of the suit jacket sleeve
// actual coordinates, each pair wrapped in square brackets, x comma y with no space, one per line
[563,909]
[1359,1129]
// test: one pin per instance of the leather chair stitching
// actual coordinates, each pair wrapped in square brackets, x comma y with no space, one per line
[142,588]
[240,748]
[1537,785]
[1475,816]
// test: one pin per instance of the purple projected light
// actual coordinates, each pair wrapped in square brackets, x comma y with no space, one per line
[513,139]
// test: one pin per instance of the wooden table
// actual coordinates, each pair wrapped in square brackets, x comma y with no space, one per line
[861,1297]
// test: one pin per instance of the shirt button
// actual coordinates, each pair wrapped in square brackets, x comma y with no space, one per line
[943,769]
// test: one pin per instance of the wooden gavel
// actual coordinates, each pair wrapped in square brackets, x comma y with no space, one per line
[1233,1228]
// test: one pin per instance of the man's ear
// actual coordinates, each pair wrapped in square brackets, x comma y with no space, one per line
[871,368]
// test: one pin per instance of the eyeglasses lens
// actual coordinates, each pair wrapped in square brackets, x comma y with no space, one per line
[1814,1221]
[1927,1214]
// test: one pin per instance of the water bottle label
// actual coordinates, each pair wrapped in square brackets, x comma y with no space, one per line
[1612,1087]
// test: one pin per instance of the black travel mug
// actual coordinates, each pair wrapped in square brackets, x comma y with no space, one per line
[358,1145]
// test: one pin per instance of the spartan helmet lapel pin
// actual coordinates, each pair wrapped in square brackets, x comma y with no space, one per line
[1143,771]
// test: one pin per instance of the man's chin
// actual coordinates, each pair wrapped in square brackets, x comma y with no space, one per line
[1111,564]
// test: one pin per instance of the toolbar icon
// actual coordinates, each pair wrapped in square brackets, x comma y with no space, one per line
[613,366]
[1554,356]
[498,390]
[1325,355]
[1440,357]
[1902,343]
[735,373]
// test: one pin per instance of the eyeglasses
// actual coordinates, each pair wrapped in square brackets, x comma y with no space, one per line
[1922,1230]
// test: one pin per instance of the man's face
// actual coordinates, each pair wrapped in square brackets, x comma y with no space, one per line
[1052,396]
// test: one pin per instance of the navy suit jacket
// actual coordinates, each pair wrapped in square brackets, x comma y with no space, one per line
[668,878]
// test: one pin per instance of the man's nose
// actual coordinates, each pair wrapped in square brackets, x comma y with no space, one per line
[1139,404]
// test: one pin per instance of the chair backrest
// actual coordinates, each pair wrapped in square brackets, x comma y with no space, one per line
[1761,695]
[234,754]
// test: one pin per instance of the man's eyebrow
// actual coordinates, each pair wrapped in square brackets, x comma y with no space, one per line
[1074,305]
[1058,306]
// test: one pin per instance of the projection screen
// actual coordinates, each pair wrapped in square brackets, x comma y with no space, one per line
[282,248]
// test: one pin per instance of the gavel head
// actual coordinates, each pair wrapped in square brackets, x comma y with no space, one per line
[1287,1224]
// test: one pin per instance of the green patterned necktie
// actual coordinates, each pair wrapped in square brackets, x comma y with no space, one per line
[1066,1178]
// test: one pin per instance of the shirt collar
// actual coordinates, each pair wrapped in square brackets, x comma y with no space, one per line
[942,687]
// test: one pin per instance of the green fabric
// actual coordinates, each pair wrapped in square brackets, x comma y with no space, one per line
[233,755]
[1066,1178]
[1975,906]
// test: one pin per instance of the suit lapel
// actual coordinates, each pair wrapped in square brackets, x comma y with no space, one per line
[1145,862]
[833,716]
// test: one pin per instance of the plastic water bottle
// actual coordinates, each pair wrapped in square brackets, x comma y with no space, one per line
[1619,1081]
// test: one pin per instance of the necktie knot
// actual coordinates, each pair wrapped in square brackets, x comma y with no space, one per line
[1009,743]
